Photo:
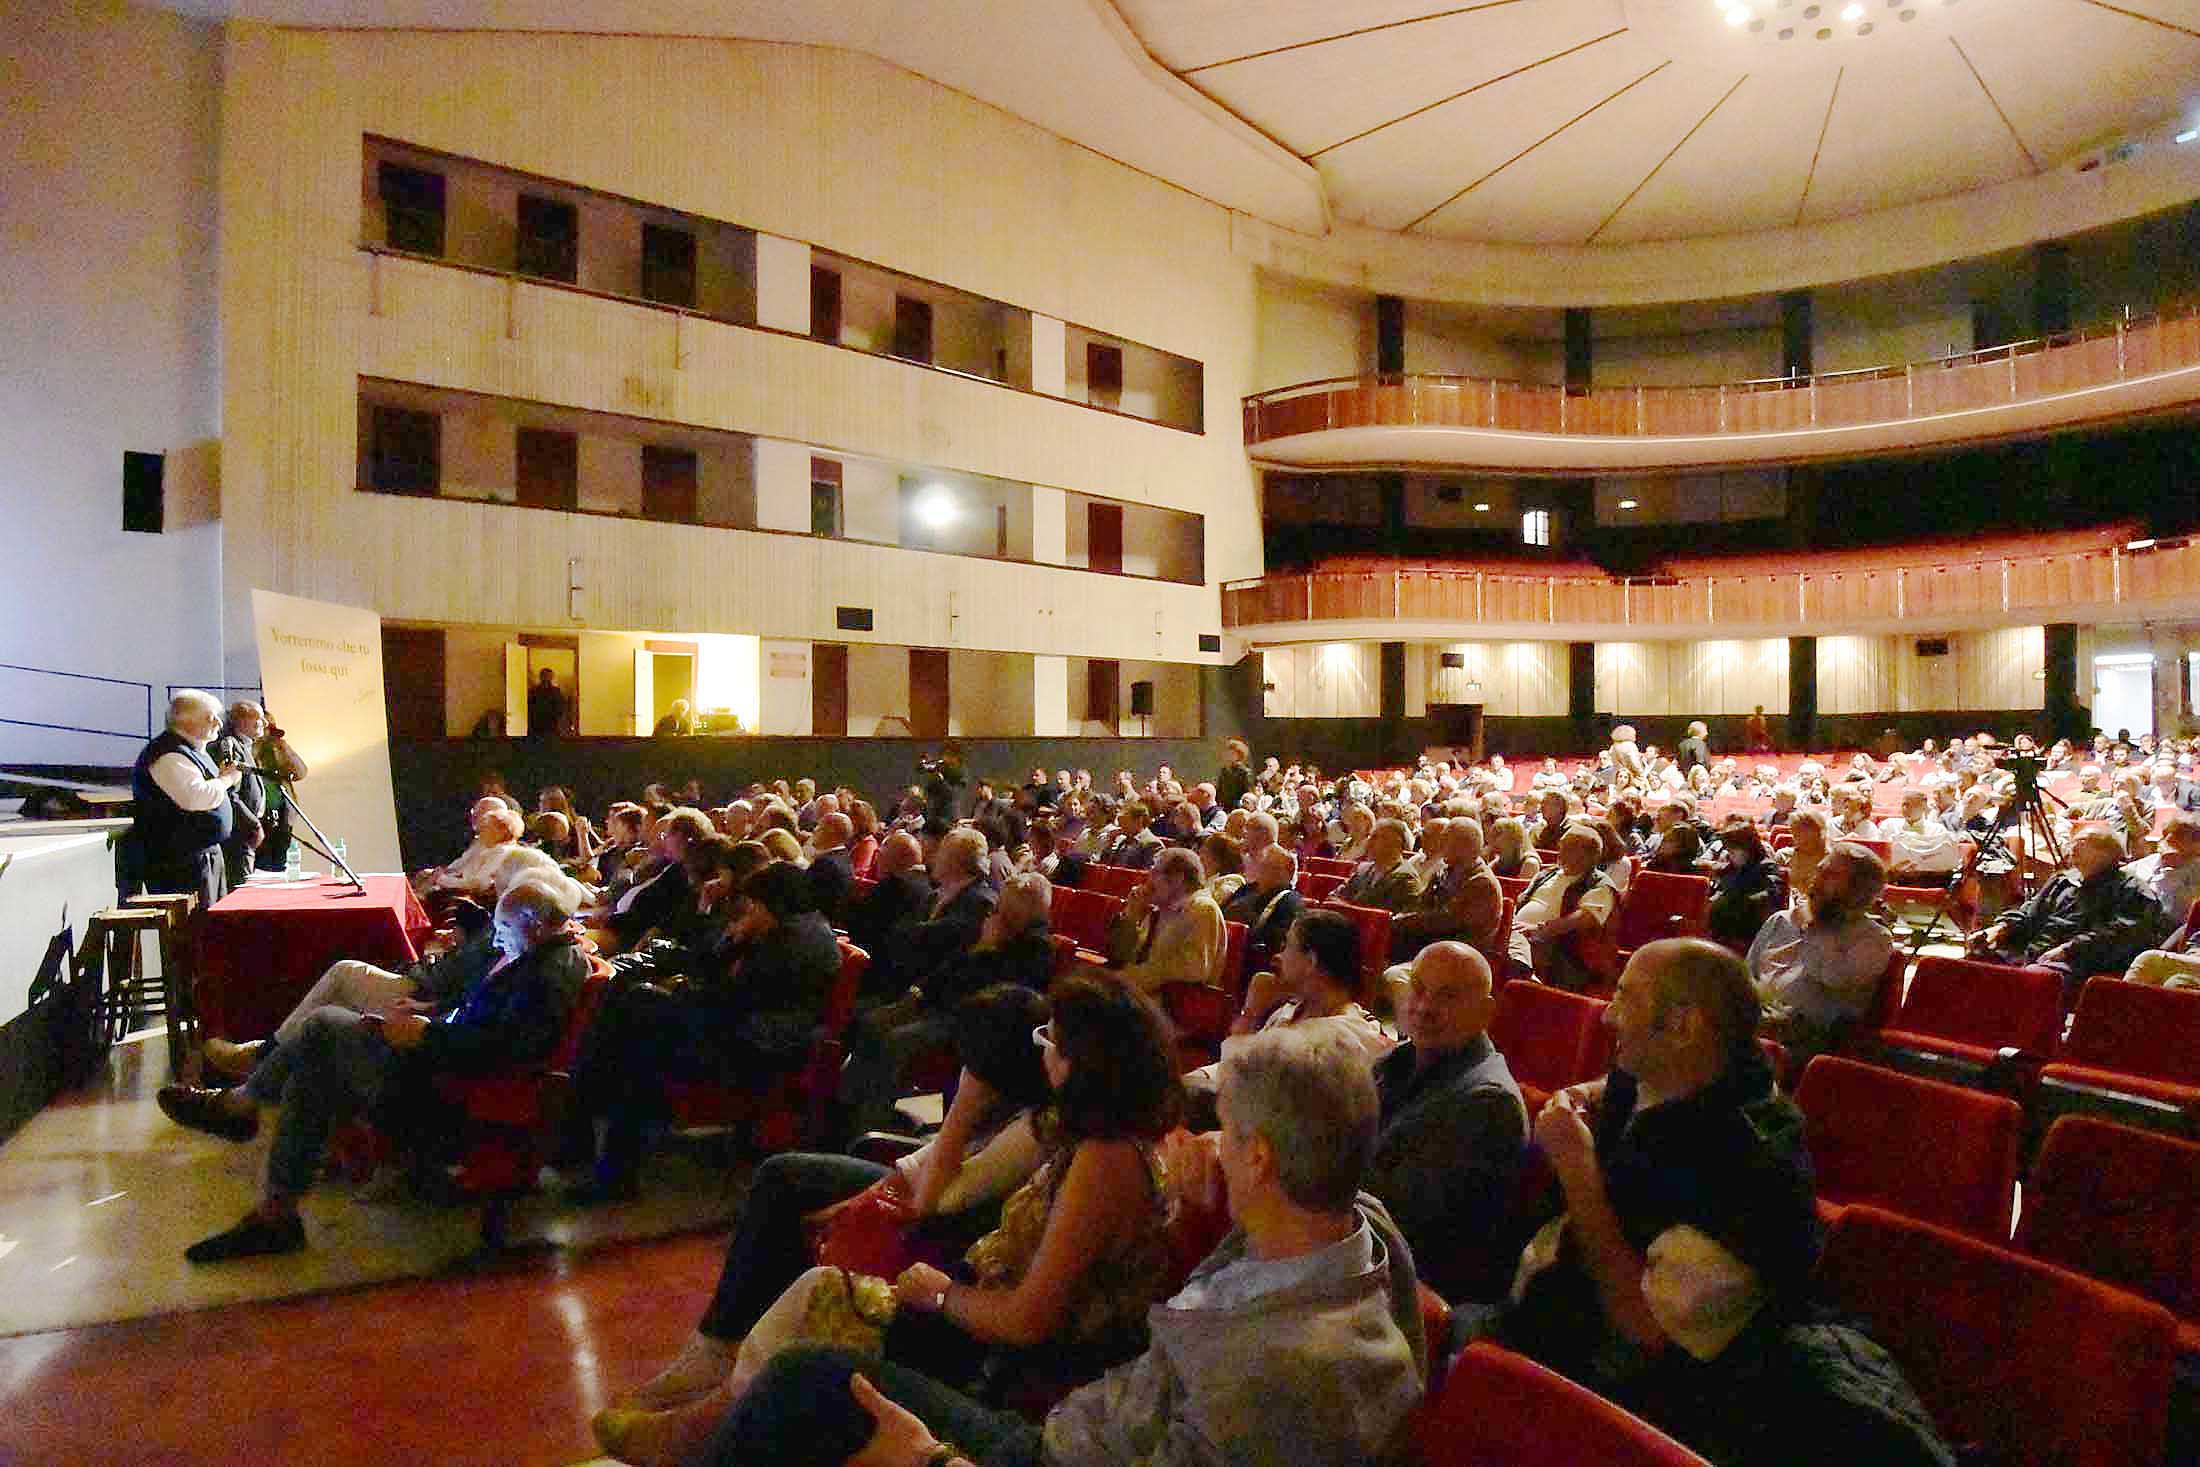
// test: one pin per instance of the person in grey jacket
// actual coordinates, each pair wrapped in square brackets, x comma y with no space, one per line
[1297,1340]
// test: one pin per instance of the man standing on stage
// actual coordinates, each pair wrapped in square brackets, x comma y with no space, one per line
[259,812]
[184,804]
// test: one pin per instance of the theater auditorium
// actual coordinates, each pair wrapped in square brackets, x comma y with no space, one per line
[1100,732]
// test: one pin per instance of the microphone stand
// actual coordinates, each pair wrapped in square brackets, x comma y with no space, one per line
[320,844]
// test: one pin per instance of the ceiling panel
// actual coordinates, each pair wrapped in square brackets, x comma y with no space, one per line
[1603,157]
[1743,170]
[2028,70]
[1185,34]
[1914,128]
[1311,100]
[1393,177]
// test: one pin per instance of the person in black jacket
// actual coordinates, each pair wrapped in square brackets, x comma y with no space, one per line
[2093,918]
[345,1061]
[185,804]
[1268,903]
[1013,947]
[962,895]
[752,1016]
[659,898]
[903,895]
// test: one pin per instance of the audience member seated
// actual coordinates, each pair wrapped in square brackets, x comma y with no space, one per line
[495,825]
[1817,966]
[1297,1340]
[1689,1229]
[656,897]
[1563,912]
[1512,853]
[1745,886]
[1012,948]
[345,1061]
[2175,964]
[2172,873]
[1924,851]
[1799,862]
[1222,865]
[2093,918]
[1678,851]
[903,892]
[1133,844]
[945,1195]
[1062,1286]
[962,895]
[832,863]
[1268,903]
[1170,930]
[753,1017]
[1316,982]
[1383,879]
[1459,899]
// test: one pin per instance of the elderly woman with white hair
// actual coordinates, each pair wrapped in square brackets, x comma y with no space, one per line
[185,804]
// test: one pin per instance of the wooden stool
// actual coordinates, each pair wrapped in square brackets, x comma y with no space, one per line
[125,989]
[179,967]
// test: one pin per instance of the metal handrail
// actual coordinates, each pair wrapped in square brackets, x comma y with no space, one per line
[87,677]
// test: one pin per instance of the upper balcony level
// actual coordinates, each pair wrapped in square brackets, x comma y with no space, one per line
[2096,575]
[2131,368]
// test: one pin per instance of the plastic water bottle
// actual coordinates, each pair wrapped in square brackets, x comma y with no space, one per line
[294,863]
[336,847]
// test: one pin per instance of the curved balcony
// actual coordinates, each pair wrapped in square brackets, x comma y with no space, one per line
[2133,368]
[2045,578]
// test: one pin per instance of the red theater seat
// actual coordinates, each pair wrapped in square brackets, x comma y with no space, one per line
[1083,915]
[1926,1150]
[2030,1364]
[1958,1016]
[2133,1045]
[1374,925]
[783,1109]
[1550,1039]
[1499,1409]
[2122,1206]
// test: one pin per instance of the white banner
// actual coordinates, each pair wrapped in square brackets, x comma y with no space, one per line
[321,674]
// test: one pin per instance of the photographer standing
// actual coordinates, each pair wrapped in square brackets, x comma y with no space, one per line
[943,783]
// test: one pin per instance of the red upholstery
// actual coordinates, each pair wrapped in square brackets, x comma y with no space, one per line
[504,1112]
[1514,887]
[1887,998]
[861,887]
[1374,925]
[1498,1409]
[1550,1038]
[1065,951]
[2037,1365]
[2136,1039]
[1233,959]
[1202,1015]
[2120,1205]
[1654,900]
[1500,942]
[1082,915]
[1938,1152]
[1318,886]
[790,1106]
[1116,881]
[1970,1011]
[1327,865]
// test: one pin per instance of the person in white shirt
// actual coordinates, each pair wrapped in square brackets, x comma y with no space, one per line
[183,804]
[1921,845]
[2172,873]
[1316,985]
[1567,902]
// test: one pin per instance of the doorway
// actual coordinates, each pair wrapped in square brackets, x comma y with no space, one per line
[2123,693]
[664,672]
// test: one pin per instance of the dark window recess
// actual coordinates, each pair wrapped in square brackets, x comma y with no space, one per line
[1103,375]
[668,265]
[1210,641]
[143,505]
[825,518]
[912,329]
[404,451]
[670,485]
[549,469]
[824,303]
[412,208]
[549,239]
[852,618]
[1104,538]
[1932,646]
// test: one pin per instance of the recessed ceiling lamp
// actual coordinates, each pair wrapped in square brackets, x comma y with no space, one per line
[1853,13]
[1738,15]
[2188,134]
[1481,509]
[1627,504]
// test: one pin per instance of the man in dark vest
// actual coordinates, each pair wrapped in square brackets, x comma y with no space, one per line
[183,801]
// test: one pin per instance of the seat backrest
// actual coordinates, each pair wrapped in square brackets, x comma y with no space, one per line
[585,1005]
[2035,1364]
[1983,1004]
[1083,915]
[1328,865]
[2118,1204]
[1550,1038]
[1318,886]
[1887,998]
[1514,887]
[1918,1147]
[1499,1409]
[1500,942]
[1201,1012]
[1116,881]
[1374,925]
[1233,958]
[840,999]
[2137,1029]
[1653,900]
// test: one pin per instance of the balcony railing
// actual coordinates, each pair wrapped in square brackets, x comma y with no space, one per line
[1998,376]
[2142,576]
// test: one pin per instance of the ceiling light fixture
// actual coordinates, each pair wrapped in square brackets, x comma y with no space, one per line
[1737,16]
[1853,13]
[1481,509]
[2188,134]
[1627,504]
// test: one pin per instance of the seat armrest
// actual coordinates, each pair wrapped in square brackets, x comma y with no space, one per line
[883,1147]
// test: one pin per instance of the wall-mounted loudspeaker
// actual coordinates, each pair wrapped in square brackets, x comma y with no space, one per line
[1451,659]
[1210,641]
[1932,646]
[1141,700]
[142,506]
[852,618]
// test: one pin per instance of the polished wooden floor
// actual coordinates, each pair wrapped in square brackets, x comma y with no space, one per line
[503,1368]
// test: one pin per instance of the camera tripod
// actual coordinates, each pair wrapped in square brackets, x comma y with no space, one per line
[2026,813]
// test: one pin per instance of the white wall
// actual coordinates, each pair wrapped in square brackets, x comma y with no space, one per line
[1309,332]
[1323,680]
[1692,679]
[1694,360]
[1517,679]
[1981,670]
[878,689]
[1446,340]
[108,315]
[989,695]
[473,677]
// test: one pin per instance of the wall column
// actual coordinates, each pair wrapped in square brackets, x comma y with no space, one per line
[1050,698]
[2050,287]
[1049,525]
[2059,645]
[782,486]
[1390,336]
[783,284]
[783,706]
[1581,692]
[1393,705]
[1802,720]
[1049,356]
[1580,354]
[1795,334]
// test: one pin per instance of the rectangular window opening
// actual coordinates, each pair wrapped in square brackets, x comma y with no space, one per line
[549,246]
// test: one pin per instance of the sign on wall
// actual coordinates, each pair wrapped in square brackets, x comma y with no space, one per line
[321,676]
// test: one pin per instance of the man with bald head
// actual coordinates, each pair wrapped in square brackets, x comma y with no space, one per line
[1463,900]
[1453,1125]
[832,869]
[1268,903]
[903,893]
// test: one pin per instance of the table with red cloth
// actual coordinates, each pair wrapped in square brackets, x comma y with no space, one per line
[262,946]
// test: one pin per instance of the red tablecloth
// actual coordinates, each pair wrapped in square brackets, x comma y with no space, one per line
[262,947]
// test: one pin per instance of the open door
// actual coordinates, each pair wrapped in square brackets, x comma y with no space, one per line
[515,690]
[645,692]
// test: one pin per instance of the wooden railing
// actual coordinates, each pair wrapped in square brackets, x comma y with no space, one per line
[1996,377]
[2046,586]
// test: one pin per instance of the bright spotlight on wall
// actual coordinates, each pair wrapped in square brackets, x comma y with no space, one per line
[938,509]
[1628,504]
